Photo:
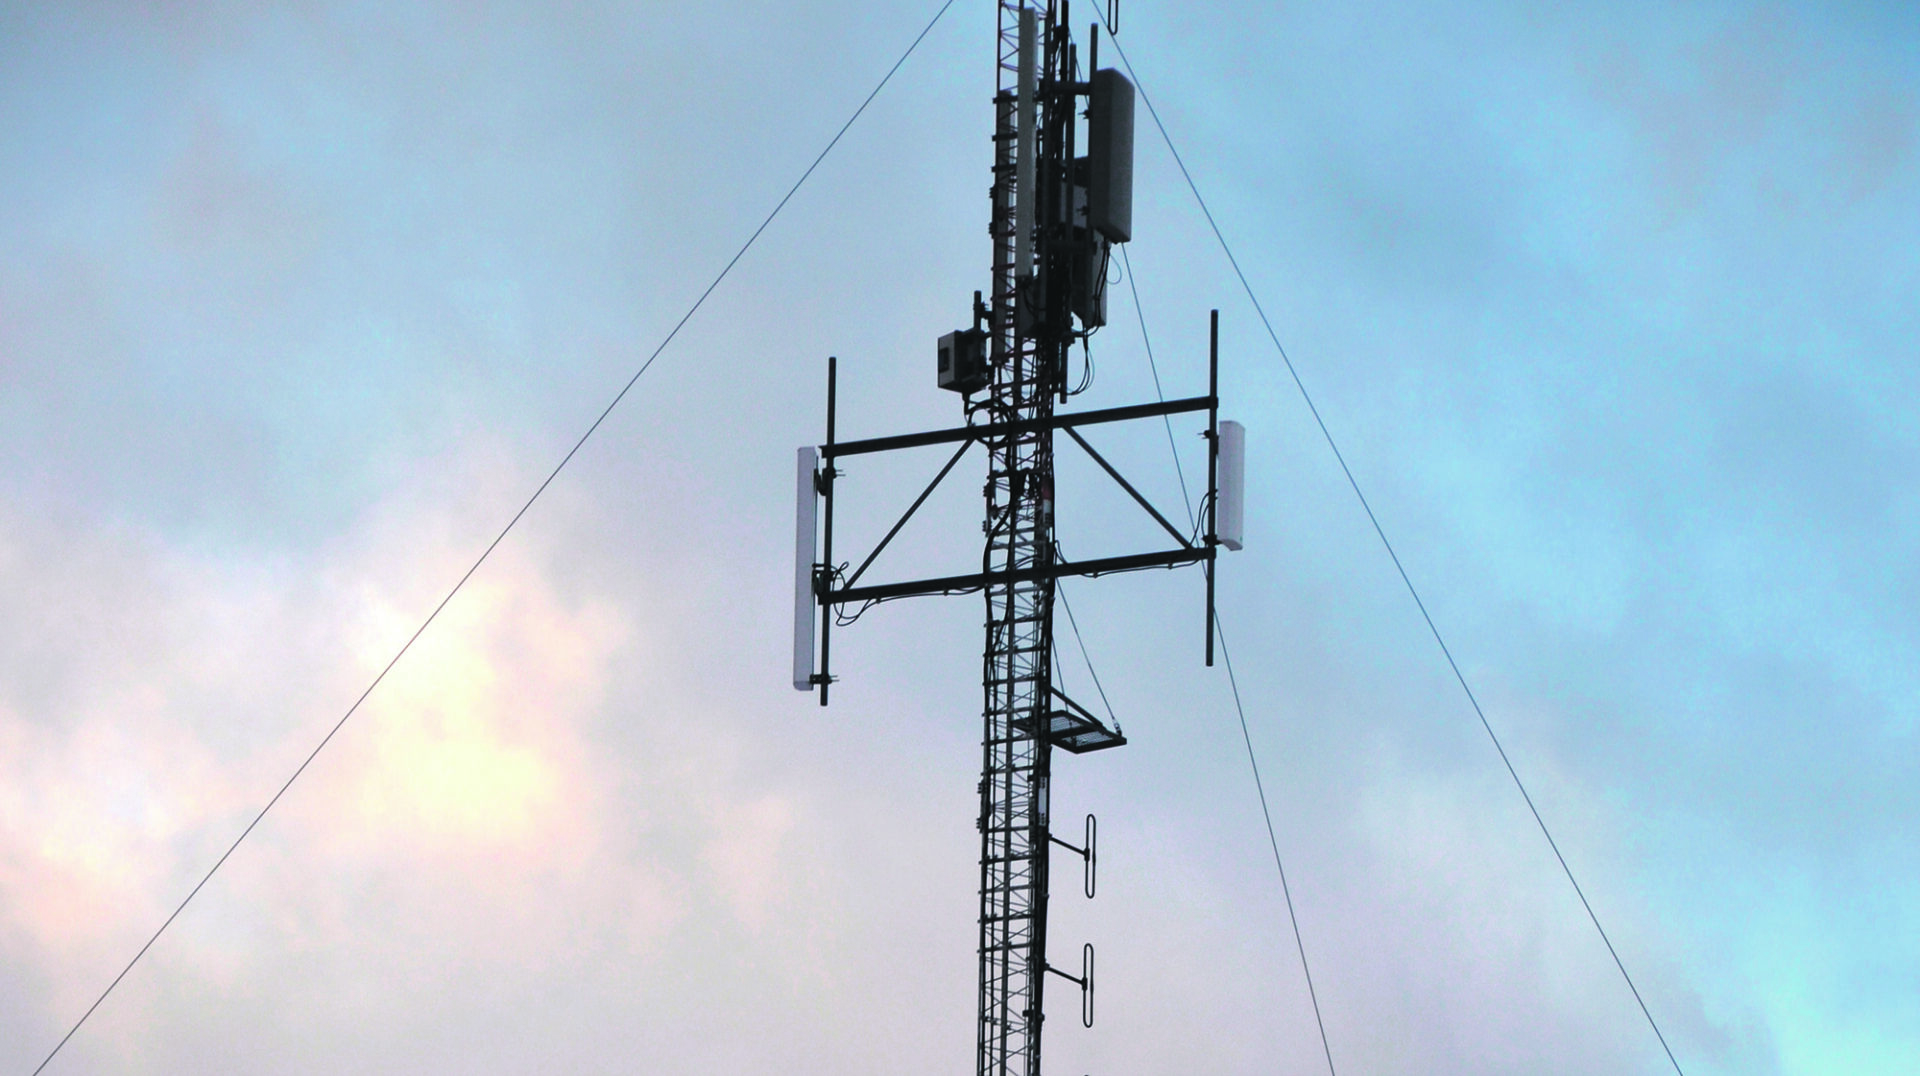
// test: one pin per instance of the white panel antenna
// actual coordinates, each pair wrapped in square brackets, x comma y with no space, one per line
[804,529]
[1231,517]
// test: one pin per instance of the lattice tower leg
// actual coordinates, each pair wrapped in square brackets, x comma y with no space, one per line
[1016,666]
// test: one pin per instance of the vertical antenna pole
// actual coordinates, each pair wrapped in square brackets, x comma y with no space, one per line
[826,574]
[1213,466]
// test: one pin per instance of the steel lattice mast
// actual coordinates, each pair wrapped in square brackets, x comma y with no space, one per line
[1015,670]
[1055,216]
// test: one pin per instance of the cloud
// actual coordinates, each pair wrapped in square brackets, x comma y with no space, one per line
[1619,351]
[1478,951]
[745,859]
[467,817]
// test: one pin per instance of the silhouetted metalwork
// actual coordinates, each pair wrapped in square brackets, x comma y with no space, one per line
[1055,216]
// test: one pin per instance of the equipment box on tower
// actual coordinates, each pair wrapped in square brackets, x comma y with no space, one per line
[963,361]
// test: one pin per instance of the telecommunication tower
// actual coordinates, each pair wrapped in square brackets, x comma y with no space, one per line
[1056,213]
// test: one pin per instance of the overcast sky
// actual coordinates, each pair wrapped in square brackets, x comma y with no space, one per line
[1611,306]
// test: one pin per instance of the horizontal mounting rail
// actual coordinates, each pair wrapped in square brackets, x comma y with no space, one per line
[954,584]
[990,430]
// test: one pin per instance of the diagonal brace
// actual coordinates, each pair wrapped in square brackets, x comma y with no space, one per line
[1128,486]
[915,507]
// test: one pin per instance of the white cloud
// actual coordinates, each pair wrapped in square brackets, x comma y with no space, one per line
[746,859]
[468,820]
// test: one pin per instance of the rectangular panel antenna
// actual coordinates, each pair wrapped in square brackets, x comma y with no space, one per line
[1110,155]
[805,503]
[1026,187]
[1232,516]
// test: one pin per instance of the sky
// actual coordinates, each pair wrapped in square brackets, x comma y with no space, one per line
[1610,307]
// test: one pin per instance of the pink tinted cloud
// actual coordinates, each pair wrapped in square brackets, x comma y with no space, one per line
[467,820]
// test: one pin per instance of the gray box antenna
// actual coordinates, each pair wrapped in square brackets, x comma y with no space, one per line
[1110,155]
